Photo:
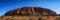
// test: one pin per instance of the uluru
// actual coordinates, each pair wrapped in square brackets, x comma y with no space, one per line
[30,13]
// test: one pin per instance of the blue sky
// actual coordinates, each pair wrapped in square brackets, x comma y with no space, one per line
[6,5]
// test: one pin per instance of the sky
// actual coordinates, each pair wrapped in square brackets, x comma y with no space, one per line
[7,5]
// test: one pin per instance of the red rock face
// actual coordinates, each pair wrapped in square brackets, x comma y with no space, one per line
[37,13]
[31,11]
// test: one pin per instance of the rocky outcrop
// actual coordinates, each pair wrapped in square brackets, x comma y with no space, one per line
[30,11]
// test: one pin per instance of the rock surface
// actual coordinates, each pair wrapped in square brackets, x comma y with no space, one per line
[30,11]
